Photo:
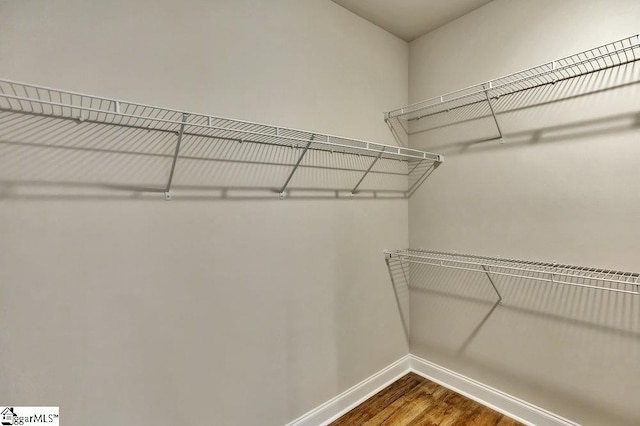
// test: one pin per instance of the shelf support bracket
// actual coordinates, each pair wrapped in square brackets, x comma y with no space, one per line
[493,112]
[405,326]
[421,179]
[373,163]
[396,135]
[487,271]
[415,167]
[306,148]
[167,190]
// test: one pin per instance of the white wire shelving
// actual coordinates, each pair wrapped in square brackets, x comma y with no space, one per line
[577,276]
[479,100]
[24,98]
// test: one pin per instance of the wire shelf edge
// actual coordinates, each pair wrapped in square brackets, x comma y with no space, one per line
[609,55]
[40,101]
[578,276]
[30,98]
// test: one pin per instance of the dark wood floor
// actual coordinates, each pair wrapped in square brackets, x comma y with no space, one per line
[416,401]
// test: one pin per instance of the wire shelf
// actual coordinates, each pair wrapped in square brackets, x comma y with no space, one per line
[478,98]
[578,276]
[35,100]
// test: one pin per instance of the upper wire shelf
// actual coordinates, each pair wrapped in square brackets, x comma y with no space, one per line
[24,98]
[600,58]
[578,276]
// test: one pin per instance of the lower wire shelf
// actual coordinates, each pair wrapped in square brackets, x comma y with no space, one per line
[578,276]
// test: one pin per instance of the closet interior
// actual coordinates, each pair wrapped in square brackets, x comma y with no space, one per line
[305,271]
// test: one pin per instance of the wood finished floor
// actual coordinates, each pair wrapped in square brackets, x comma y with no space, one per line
[416,401]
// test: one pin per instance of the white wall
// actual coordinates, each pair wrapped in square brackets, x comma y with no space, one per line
[562,188]
[123,310]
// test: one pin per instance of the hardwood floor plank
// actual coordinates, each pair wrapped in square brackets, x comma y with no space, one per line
[415,401]
[404,409]
[487,417]
[457,400]
[439,414]
[379,401]
[508,421]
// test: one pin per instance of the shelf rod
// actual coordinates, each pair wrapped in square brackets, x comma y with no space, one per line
[375,160]
[493,113]
[167,191]
[306,148]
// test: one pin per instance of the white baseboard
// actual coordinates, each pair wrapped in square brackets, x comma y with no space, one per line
[504,403]
[354,396]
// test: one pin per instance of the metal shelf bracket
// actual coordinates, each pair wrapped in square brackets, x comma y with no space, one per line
[493,112]
[306,148]
[373,163]
[486,271]
[167,191]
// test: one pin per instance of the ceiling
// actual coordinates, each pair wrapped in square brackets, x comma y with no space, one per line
[409,19]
